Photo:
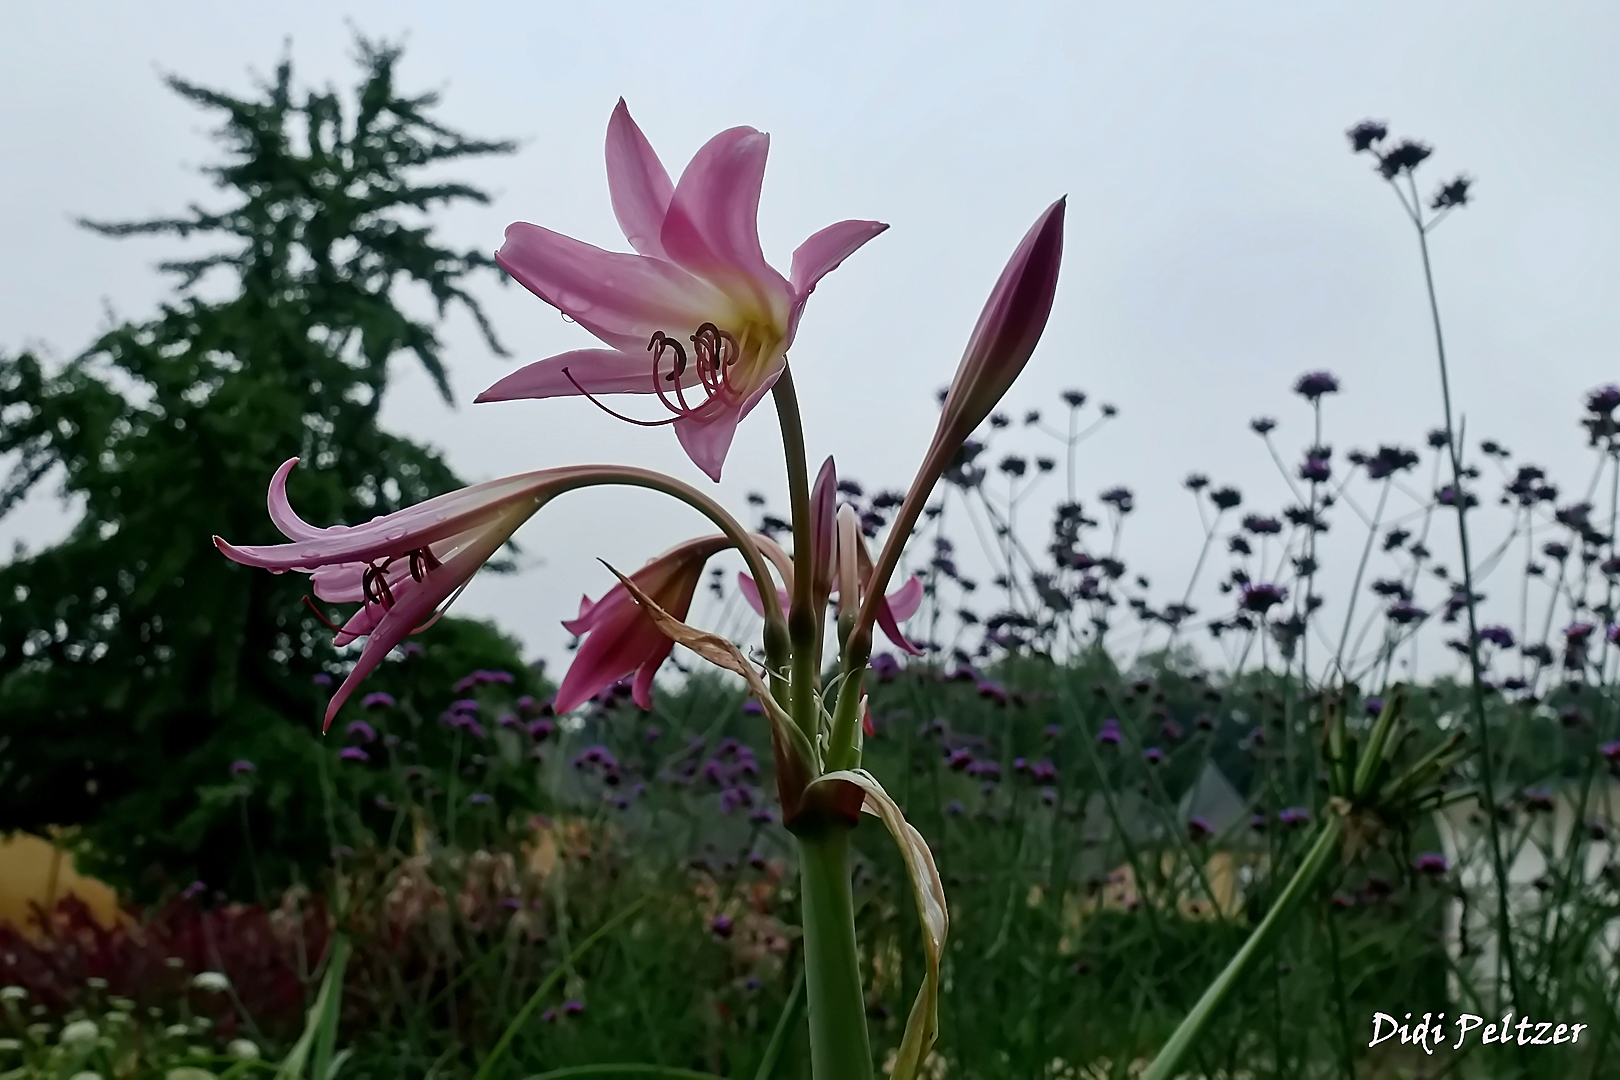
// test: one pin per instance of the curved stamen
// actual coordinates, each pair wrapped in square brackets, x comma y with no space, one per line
[422,563]
[376,577]
[658,343]
[317,611]
[715,353]
[620,415]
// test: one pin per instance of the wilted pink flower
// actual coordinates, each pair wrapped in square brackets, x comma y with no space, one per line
[699,277]
[621,638]
[402,566]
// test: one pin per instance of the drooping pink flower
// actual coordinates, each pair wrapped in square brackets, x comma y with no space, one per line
[402,566]
[621,638]
[696,316]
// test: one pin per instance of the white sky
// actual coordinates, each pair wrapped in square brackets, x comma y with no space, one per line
[1221,238]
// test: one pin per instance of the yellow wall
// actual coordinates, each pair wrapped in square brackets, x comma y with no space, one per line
[31,869]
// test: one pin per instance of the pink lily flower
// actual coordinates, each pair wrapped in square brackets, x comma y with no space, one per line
[399,567]
[699,277]
[620,637]
[826,549]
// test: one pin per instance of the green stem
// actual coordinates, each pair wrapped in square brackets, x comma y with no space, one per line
[1504,927]
[1168,1063]
[839,1049]
[624,1070]
[804,622]
[784,1023]
[486,1068]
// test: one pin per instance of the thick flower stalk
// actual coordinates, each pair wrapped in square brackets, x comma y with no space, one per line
[696,317]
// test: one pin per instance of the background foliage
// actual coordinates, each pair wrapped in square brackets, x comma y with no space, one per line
[135,663]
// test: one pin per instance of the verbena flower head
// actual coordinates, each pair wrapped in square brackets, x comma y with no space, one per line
[1432,863]
[399,567]
[621,637]
[1365,134]
[697,316]
[1604,400]
[1261,597]
[1313,385]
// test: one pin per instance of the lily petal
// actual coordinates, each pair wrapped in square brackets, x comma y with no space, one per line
[622,299]
[439,518]
[750,592]
[620,637]
[412,607]
[602,659]
[712,227]
[595,371]
[821,253]
[823,509]
[904,601]
[707,438]
[637,184]
[282,514]
[891,629]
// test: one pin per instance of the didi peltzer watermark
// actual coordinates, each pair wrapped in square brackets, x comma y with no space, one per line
[1430,1032]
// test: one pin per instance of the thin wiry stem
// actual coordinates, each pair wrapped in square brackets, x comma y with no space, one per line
[1477,695]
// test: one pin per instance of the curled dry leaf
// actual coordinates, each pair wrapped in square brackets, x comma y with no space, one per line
[922,1026]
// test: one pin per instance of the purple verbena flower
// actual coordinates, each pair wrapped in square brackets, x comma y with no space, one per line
[1293,816]
[377,699]
[353,753]
[885,667]
[239,768]
[1313,385]
[1604,400]
[1317,470]
[1261,597]
[1432,863]
[362,730]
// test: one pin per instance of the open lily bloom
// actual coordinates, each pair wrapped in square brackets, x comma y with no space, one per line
[621,637]
[826,547]
[399,567]
[697,316]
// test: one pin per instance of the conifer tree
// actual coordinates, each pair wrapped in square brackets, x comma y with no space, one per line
[136,663]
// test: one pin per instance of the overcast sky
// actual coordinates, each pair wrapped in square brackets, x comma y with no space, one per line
[1221,239]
